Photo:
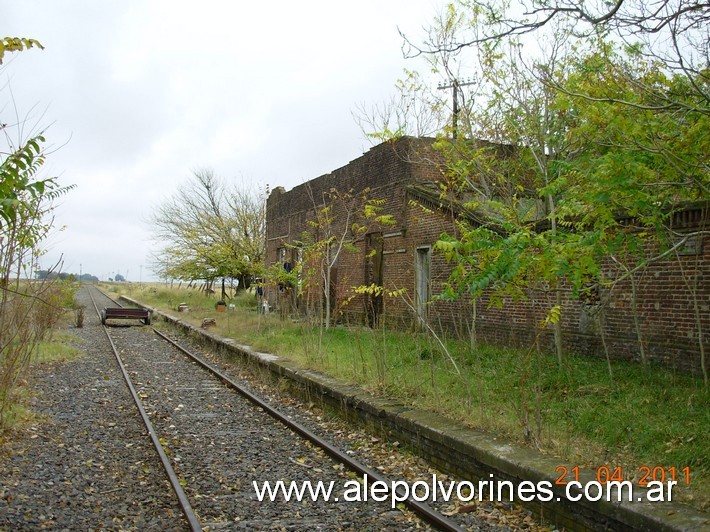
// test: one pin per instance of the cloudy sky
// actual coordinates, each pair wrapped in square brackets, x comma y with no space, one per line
[136,94]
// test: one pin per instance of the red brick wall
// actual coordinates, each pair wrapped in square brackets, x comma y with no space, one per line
[386,170]
[665,304]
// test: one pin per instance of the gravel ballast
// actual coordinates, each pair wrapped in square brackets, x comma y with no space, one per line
[86,462]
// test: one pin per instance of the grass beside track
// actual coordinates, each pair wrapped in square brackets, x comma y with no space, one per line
[644,417]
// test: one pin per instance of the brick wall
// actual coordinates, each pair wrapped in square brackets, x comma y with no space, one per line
[672,294]
[385,170]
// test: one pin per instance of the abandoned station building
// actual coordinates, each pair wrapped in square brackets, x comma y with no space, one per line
[670,318]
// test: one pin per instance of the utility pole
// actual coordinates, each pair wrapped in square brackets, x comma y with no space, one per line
[456,86]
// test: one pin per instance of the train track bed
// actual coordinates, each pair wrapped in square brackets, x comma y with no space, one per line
[219,443]
[384,456]
[89,463]
[84,462]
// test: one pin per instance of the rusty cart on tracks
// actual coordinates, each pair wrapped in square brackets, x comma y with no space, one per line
[121,313]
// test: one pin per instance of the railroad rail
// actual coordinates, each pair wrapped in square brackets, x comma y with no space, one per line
[424,511]
[167,466]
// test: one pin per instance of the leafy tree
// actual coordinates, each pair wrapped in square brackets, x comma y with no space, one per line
[638,161]
[505,177]
[210,231]
[672,33]
[576,136]
[27,309]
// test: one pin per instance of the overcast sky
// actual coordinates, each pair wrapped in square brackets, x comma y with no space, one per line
[137,94]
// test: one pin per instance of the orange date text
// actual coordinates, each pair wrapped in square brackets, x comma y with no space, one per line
[645,475]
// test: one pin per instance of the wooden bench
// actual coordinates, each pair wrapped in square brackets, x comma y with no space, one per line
[121,313]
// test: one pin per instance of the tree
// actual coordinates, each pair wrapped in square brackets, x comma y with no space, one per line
[210,231]
[578,137]
[414,111]
[501,175]
[340,222]
[27,310]
[641,162]
[673,33]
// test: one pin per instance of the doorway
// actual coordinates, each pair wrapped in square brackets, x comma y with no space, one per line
[422,288]
[374,275]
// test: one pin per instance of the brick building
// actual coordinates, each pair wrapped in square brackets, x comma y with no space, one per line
[672,296]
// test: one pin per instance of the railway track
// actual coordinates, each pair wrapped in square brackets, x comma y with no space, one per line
[214,444]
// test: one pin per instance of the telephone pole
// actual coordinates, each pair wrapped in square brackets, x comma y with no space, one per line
[456,86]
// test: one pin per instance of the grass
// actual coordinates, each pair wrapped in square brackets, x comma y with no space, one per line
[647,416]
[61,347]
